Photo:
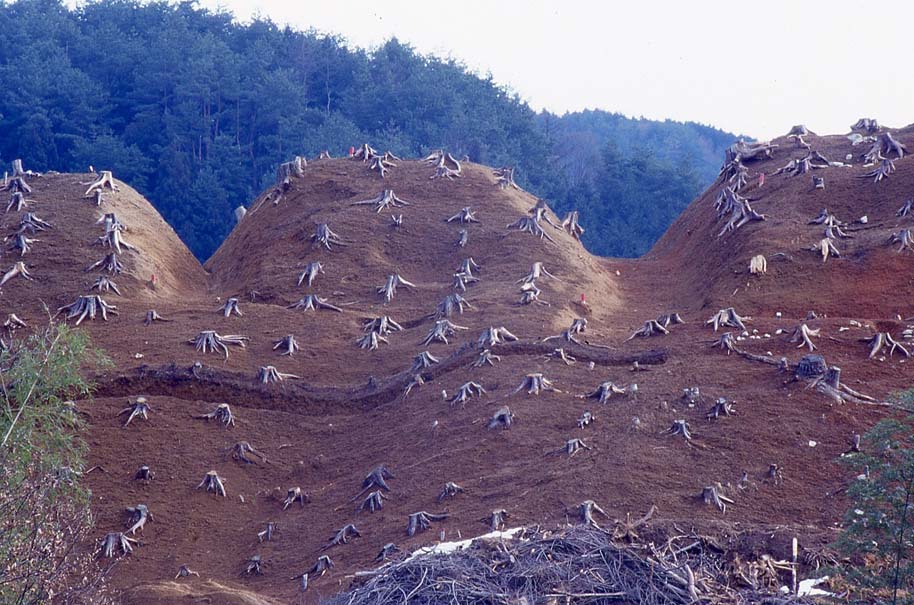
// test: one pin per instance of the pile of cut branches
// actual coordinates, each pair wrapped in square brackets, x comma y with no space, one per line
[578,565]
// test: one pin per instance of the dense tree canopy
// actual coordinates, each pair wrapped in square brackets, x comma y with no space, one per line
[196,110]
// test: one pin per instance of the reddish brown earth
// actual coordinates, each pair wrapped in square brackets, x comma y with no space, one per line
[326,431]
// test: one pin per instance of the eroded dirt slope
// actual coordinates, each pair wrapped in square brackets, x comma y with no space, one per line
[347,413]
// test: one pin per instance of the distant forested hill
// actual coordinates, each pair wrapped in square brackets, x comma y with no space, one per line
[196,110]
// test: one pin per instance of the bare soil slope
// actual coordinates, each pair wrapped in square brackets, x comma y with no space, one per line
[348,412]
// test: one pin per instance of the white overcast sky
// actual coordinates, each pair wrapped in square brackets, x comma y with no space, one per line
[748,67]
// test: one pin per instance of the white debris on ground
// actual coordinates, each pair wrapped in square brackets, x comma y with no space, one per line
[446,548]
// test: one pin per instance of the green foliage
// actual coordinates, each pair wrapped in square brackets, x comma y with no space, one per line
[879,528]
[44,511]
[196,111]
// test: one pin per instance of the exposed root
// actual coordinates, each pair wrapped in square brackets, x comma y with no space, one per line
[365,152]
[494,336]
[144,474]
[535,384]
[312,302]
[152,316]
[801,166]
[530,225]
[803,334]
[530,294]
[231,307]
[571,225]
[884,340]
[826,247]
[740,214]
[883,170]
[343,535]
[373,502]
[415,382]
[381,165]
[727,317]
[906,208]
[467,391]
[389,289]
[184,571]
[562,356]
[293,495]
[505,177]
[378,478]
[114,541]
[905,238]
[109,263]
[221,414]
[89,307]
[17,270]
[31,224]
[451,304]
[650,328]
[17,202]
[885,145]
[212,482]
[103,284]
[578,326]
[269,375]
[310,273]
[606,390]
[571,447]
[287,345]
[721,407]
[726,342]
[421,521]
[446,165]
[423,360]
[585,419]
[712,494]
[496,519]
[324,236]
[503,419]
[385,200]
[105,180]
[138,516]
[209,341]
[486,358]
[536,272]
[450,490]
[442,329]
[466,215]
[242,452]
[113,239]
[679,428]
[371,341]
[138,408]
[461,280]
[586,509]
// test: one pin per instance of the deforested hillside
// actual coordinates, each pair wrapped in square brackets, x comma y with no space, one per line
[348,359]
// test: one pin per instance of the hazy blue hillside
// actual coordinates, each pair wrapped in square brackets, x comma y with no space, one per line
[196,110]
